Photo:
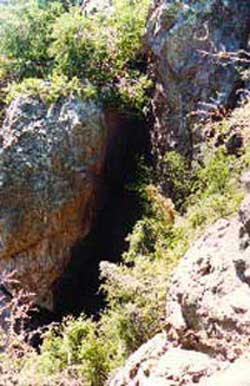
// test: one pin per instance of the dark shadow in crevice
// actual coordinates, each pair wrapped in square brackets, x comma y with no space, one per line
[119,209]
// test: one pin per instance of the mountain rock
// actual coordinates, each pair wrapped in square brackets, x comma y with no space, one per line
[188,41]
[51,161]
[206,341]
[235,374]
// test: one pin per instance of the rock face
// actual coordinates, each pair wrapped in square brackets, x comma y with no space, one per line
[207,315]
[50,162]
[209,295]
[236,374]
[178,34]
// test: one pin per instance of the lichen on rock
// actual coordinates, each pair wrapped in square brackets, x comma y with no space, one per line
[207,315]
[184,38]
[51,157]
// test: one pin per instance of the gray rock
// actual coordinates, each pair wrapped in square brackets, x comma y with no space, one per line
[139,365]
[208,317]
[50,160]
[245,179]
[210,291]
[236,374]
[179,34]
[244,215]
[156,363]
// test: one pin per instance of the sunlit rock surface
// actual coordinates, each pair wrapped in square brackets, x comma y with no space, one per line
[50,162]
[207,315]
[184,39]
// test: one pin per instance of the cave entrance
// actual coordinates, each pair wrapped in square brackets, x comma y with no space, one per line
[78,289]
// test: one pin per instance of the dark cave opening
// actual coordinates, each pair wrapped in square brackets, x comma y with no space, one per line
[119,208]
[77,291]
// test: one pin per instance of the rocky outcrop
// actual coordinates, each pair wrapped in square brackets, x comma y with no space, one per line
[157,364]
[51,160]
[184,38]
[207,315]
[235,374]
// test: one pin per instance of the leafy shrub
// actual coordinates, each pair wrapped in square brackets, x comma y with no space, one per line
[51,90]
[218,173]
[76,344]
[175,176]
[25,35]
[79,46]
[136,298]
[87,351]
[102,49]
[217,193]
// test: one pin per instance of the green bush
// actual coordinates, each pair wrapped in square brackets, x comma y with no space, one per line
[79,46]
[102,49]
[50,91]
[25,35]
[76,344]
[218,174]
[176,178]
[88,351]
[216,189]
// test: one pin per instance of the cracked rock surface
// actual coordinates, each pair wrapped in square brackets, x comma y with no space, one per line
[50,160]
[191,81]
[207,336]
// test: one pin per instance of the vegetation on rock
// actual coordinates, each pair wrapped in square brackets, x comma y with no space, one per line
[87,350]
[54,49]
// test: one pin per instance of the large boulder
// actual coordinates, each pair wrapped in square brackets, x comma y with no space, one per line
[157,364]
[51,159]
[209,294]
[184,38]
[235,374]
[207,315]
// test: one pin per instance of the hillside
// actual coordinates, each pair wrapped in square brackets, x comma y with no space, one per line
[124,188]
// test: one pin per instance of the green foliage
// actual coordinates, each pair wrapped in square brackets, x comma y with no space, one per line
[101,49]
[136,298]
[25,35]
[105,49]
[50,91]
[54,51]
[208,190]
[217,192]
[76,344]
[176,178]
[217,174]
[135,289]
[78,48]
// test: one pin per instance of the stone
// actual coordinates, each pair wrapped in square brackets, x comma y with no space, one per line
[245,179]
[244,215]
[236,374]
[206,341]
[51,159]
[192,81]
[157,363]
[139,365]
[210,289]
